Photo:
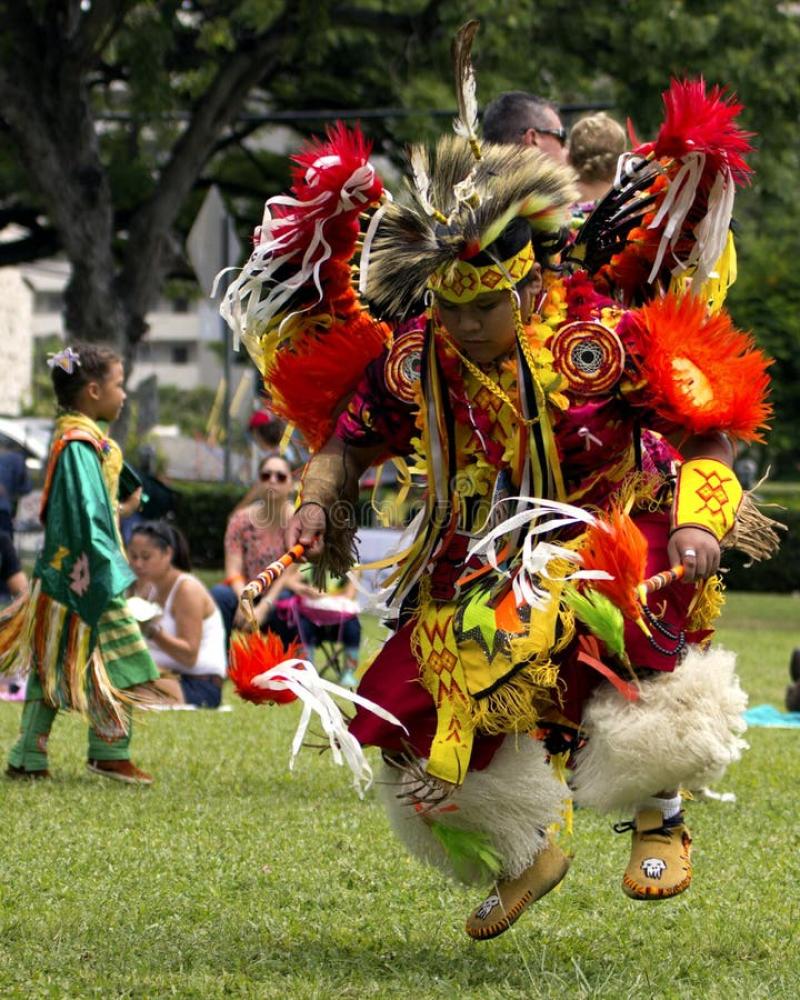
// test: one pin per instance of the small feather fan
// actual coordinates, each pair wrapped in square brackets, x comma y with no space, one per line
[614,544]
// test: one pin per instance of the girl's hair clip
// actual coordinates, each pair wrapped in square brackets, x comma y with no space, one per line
[66,360]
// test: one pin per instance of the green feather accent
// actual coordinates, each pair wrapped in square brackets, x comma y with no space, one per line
[470,852]
[600,616]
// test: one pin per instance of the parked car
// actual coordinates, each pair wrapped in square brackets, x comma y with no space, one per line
[30,435]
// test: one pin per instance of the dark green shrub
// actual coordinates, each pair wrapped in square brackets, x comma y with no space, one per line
[202,512]
[781,573]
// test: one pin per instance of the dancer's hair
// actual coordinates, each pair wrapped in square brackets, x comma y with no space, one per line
[93,365]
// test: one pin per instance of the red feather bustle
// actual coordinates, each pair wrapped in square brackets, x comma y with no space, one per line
[312,382]
[294,302]
[700,151]
[615,545]
[253,653]
[313,375]
[697,371]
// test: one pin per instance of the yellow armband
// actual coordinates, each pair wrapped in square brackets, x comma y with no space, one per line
[707,495]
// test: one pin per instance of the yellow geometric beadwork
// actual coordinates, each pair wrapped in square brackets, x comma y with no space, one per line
[461,281]
[443,677]
[707,495]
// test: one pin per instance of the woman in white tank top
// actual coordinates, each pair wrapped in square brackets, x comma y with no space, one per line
[187,641]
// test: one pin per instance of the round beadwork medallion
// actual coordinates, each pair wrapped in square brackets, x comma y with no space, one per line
[590,357]
[404,365]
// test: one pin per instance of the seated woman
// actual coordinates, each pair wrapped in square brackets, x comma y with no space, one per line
[332,616]
[187,641]
[253,539]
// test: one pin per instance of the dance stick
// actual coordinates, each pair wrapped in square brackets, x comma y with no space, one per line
[255,588]
[659,581]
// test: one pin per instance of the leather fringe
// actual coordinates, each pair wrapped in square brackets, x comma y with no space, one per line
[753,533]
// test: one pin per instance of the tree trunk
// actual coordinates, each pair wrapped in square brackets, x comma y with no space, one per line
[44,100]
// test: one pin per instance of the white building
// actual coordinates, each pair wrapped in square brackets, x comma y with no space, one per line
[16,336]
[178,349]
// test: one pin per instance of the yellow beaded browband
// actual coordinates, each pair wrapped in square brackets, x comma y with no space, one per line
[462,281]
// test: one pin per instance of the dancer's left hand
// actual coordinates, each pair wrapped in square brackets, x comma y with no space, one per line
[696,550]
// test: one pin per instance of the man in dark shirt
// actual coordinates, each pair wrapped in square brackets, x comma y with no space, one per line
[14,483]
[13,583]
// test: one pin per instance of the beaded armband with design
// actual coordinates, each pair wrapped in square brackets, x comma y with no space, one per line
[708,496]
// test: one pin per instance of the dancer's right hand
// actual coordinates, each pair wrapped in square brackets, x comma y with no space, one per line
[307,526]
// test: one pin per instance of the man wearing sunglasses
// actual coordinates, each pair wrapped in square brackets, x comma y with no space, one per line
[519,117]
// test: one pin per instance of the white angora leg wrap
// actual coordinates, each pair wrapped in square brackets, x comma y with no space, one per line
[684,731]
[513,801]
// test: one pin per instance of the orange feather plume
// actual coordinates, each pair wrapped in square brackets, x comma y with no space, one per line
[701,373]
[615,545]
[251,654]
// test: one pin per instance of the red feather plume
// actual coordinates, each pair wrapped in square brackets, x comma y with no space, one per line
[317,367]
[615,545]
[251,654]
[322,169]
[700,373]
[695,121]
[699,122]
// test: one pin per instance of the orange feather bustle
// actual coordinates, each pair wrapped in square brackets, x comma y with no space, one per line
[251,654]
[614,544]
[701,373]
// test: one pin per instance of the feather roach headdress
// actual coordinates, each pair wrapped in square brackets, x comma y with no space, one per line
[426,243]
[666,222]
[462,200]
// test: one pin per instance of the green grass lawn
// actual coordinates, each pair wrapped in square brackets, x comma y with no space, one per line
[231,877]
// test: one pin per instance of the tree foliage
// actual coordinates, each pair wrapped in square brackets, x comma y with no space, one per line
[118,116]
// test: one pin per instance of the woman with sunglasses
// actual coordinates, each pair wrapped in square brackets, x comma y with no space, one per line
[253,539]
[187,641]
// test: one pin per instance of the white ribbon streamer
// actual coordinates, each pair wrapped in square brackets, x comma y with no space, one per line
[675,207]
[300,677]
[589,438]
[366,250]
[711,233]
[552,515]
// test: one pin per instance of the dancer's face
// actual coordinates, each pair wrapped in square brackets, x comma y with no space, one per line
[103,399]
[484,327]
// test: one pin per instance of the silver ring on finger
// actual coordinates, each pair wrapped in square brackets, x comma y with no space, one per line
[690,553]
